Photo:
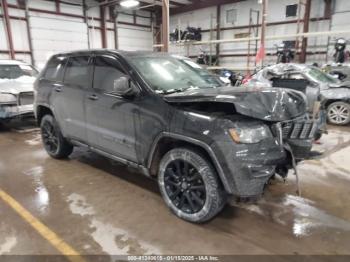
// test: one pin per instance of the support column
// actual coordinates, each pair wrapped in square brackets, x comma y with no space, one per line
[218,31]
[29,33]
[302,58]
[86,21]
[328,9]
[8,28]
[103,26]
[57,4]
[114,16]
[165,26]
[263,28]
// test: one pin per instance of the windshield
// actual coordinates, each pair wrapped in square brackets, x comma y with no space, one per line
[166,74]
[16,71]
[319,76]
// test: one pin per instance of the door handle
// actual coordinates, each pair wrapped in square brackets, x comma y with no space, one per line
[93,97]
[58,89]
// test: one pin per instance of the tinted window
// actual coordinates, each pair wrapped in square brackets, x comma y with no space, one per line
[78,71]
[55,68]
[107,70]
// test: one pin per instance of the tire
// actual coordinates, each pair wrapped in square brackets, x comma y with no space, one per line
[54,143]
[338,113]
[190,186]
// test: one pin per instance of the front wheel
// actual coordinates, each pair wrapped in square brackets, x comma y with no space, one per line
[190,185]
[54,143]
[338,113]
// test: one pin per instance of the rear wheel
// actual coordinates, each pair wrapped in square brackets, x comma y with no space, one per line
[190,186]
[338,113]
[54,143]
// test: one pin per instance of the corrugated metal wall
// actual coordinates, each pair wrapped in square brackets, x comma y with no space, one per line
[52,33]
[281,25]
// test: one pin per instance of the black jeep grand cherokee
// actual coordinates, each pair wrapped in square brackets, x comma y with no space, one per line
[155,112]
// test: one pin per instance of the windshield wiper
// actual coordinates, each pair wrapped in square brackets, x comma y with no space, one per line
[177,90]
[174,90]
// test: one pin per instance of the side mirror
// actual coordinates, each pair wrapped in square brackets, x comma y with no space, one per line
[124,87]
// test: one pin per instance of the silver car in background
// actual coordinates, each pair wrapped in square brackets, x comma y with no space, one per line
[317,85]
[16,89]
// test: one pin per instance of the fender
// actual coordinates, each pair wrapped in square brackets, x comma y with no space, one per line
[196,142]
[49,107]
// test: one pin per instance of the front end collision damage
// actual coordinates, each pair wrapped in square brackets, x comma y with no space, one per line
[8,112]
[247,167]
[16,99]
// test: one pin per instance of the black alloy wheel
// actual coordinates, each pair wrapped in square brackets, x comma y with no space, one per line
[49,137]
[54,143]
[185,186]
[190,186]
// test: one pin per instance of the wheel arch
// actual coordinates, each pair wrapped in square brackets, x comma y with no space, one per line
[41,111]
[167,141]
[331,101]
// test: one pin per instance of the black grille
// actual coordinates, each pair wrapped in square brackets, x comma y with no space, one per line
[298,130]
[26,98]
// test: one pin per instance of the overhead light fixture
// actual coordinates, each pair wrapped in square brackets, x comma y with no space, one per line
[129,3]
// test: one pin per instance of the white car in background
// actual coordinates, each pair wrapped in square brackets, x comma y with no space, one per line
[16,89]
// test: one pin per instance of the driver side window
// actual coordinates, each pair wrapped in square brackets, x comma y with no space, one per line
[107,72]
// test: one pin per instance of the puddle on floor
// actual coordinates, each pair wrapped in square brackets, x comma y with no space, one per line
[34,140]
[42,196]
[113,240]
[301,213]
[7,244]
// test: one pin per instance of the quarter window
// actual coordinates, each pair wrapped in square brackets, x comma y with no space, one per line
[78,71]
[107,71]
[55,68]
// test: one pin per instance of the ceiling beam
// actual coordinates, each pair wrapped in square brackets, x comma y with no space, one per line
[196,4]
[159,3]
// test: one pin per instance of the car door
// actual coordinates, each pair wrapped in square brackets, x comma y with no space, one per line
[50,85]
[110,118]
[71,106]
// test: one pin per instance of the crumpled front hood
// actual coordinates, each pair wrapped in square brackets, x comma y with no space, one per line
[15,87]
[269,104]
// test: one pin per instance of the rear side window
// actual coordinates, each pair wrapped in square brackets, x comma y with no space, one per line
[55,69]
[78,71]
[107,71]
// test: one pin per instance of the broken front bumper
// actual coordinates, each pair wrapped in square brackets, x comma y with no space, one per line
[13,111]
[248,167]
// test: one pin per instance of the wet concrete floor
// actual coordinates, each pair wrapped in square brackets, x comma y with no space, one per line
[100,207]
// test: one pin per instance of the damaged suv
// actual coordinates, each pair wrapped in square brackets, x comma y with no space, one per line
[317,85]
[16,89]
[154,112]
